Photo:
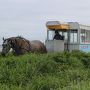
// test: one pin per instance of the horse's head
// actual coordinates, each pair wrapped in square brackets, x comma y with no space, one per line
[6,46]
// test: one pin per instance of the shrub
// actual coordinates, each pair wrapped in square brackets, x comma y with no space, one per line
[55,71]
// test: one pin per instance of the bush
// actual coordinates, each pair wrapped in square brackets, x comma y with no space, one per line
[51,71]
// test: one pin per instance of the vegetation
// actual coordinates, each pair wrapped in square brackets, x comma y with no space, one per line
[52,71]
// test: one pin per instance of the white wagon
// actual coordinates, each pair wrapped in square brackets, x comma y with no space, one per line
[76,36]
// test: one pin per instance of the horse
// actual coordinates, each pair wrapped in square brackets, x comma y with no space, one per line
[20,45]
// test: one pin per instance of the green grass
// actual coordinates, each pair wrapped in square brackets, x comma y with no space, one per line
[52,71]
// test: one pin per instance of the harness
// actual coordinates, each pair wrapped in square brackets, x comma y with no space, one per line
[16,47]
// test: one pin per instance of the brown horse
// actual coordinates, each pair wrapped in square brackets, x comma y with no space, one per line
[21,45]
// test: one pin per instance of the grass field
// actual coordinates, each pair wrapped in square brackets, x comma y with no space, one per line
[52,71]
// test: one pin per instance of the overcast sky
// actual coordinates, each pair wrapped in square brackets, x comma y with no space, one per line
[28,17]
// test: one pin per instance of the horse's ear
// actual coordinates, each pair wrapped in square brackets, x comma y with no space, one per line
[3,39]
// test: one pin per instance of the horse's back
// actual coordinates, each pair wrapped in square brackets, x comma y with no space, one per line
[37,45]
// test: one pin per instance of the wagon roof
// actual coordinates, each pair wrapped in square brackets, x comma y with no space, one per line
[56,25]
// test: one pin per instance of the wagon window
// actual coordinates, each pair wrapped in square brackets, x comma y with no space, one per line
[85,36]
[50,35]
[73,36]
[65,36]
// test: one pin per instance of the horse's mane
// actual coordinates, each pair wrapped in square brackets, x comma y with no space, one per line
[17,37]
[20,37]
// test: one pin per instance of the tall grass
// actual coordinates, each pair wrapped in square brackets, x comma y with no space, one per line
[52,71]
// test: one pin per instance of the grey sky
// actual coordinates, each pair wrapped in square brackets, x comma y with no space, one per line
[28,17]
